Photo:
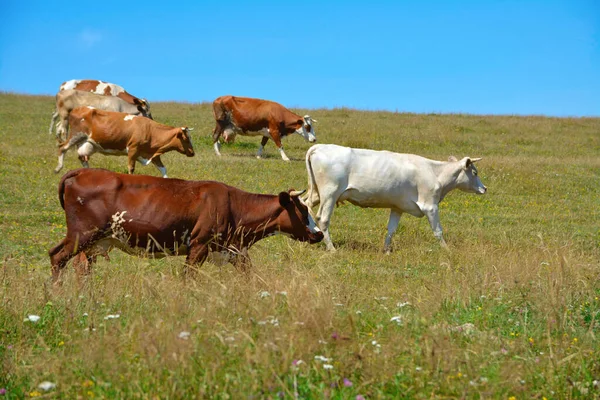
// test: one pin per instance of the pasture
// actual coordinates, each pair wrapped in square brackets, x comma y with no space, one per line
[511,310]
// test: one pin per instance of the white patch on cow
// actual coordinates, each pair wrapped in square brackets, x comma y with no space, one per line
[283,156]
[129,117]
[163,171]
[116,226]
[80,200]
[69,85]
[91,108]
[217,147]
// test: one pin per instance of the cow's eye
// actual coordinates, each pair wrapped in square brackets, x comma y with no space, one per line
[475,172]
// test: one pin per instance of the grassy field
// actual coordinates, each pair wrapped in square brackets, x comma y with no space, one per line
[511,310]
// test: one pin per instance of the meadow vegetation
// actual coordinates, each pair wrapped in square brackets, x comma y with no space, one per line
[511,310]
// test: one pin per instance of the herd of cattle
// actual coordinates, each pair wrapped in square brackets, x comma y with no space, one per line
[142,214]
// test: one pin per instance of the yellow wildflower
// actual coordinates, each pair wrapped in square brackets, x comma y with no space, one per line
[531,340]
[61,343]
[512,398]
[87,383]
[35,393]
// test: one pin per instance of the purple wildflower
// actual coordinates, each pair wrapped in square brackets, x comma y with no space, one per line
[360,397]
[347,382]
[2,391]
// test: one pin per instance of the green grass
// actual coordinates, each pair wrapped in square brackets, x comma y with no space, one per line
[511,309]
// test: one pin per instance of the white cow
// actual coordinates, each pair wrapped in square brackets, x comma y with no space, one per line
[404,183]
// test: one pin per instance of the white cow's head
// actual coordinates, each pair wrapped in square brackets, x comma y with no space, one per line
[468,178]
[306,130]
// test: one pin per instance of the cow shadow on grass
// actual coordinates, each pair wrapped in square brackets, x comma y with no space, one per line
[356,245]
[264,156]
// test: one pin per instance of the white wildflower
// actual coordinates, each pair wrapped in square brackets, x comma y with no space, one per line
[397,319]
[403,304]
[184,335]
[45,386]
[112,316]
[33,318]
[322,359]
[327,366]
[264,294]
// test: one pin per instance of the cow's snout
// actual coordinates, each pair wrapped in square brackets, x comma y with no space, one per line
[315,237]
[312,139]
[482,190]
[190,153]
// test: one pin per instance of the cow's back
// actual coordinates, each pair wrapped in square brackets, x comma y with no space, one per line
[368,178]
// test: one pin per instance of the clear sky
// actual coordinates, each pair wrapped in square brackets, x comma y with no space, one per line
[480,57]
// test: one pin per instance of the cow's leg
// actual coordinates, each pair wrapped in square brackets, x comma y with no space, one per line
[241,260]
[433,215]
[82,263]
[131,158]
[277,139]
[216,135]
[263,142]
[161,167]
[196,256]
[391,229]
[52,122]
[69,247]
[323,219]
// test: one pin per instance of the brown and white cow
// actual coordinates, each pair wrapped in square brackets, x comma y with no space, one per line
[256,117]
[115,133]
[146,215]
[67,100]
[106,89]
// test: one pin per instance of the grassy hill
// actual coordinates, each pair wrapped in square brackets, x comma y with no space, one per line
[512,309]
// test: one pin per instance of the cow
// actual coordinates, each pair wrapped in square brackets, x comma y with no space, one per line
[67,100]
[145,215]
[106,89]
[404,183]
[256,117]
[115,133]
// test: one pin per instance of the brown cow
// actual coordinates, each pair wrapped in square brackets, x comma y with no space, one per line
[68,100]
[107,89]
[114,133]
[141,214]
[255,117]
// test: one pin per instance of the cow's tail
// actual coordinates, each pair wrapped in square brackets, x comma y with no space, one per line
[312,196]
[61,185]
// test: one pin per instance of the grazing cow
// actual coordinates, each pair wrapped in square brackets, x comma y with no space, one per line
[115,133]
[106,89]
[142,214]
[255,117]
[404,183]
[67,100]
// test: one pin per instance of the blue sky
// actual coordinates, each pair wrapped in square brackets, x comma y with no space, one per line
[479,57]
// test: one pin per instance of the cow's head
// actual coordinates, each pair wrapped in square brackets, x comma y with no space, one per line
[306,130]
[468,178]
[295,221]
[182,141]
[143,107]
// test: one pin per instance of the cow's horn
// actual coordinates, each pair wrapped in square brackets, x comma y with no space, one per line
[296,193]
[476,159]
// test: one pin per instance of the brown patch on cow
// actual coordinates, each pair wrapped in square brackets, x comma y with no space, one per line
[107,91]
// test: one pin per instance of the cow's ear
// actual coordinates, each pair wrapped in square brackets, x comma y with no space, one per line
[466,162]
[452,159]
[300,122]
[284,199]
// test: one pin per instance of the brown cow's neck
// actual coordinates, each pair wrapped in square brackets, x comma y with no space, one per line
[260,218]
